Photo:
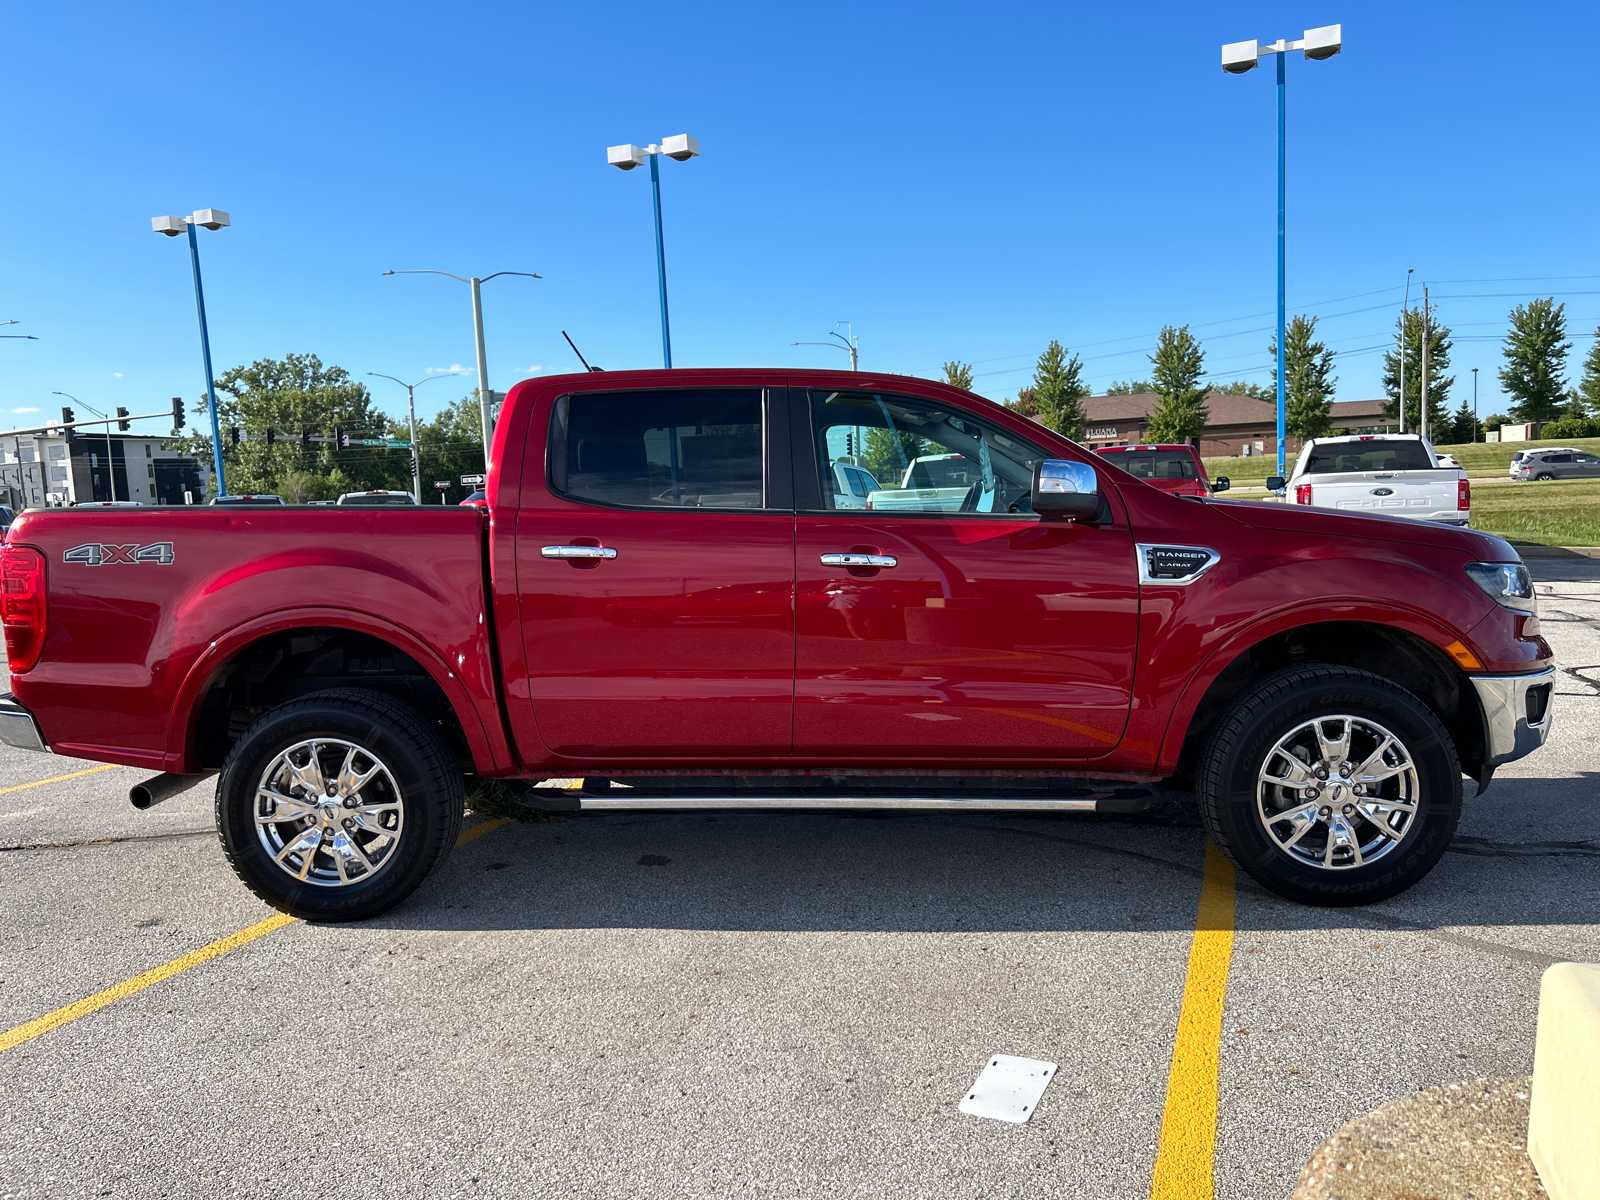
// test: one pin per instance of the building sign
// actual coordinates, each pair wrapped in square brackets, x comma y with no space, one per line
[1098,432]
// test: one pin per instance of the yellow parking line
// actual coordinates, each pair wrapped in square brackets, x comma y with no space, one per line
[1186,1157]
[128,987]
[138,983]
[22,787]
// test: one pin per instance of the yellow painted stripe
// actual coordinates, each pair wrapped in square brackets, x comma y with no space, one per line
[128,987]
[22,787]
[1185,1160]
[138,983]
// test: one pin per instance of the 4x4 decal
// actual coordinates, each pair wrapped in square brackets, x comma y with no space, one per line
[99,554]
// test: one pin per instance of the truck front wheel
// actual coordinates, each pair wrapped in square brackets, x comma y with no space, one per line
[1330,786]
[335,807]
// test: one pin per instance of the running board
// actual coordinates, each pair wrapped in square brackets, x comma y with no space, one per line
[1123,800]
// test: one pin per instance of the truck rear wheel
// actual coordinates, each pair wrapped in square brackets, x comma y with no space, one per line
[1330,786]
[336,806]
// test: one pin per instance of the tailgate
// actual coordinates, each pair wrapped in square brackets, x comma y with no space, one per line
[1428,495]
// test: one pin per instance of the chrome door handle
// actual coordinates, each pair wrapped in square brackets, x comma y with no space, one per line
[860,560]
[578,552]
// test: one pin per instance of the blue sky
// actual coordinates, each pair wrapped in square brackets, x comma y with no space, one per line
[959,180]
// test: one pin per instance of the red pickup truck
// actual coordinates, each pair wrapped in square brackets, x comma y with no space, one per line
[663,594]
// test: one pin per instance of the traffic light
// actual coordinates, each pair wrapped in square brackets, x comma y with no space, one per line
[339,438]
[178,415]
[122,420]
[849,443]
[272,438]
[233,434]
[305,439]
[67,418]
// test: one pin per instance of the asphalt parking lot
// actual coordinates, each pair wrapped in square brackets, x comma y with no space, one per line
[687,1005]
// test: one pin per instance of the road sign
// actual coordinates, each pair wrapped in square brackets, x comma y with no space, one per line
[441,484]
[472,481]
[398,444]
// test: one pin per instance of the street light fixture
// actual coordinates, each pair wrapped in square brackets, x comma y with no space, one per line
[477,330]
[844,343]
[209,218]
[682,147]
[411,411]
[30,337]
[1237,58]
[111,475]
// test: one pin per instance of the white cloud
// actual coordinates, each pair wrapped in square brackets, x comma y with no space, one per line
[452,369]
[24,410]
[116,374]
[534,370]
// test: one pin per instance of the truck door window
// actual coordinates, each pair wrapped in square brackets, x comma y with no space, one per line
[665,449]
[932,458]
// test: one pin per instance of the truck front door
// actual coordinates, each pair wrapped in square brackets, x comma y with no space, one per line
[656,577]
[981,633]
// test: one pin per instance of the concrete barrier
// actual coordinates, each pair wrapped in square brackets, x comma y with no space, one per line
[1564,1114]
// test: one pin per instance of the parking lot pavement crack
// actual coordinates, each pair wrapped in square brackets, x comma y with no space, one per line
[106,841]
[1465,941]
[1592,684]
[1462,844]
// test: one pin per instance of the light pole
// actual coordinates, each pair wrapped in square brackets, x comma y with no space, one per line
[1405,311]
[111,475]
[844,343]
[477,332]
[211,218]
[411,413]
[27,336]
[1474,404]
[1237,58]
[682,147]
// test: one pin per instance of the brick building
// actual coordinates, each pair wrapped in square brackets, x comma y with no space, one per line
[1239,425]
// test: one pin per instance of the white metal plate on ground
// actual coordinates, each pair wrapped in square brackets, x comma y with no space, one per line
[1008,1089]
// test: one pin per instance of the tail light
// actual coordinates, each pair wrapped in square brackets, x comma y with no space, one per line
[1463,495]
[22,605]
[1302,493]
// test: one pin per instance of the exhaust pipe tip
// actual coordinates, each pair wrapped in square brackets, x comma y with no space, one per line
[162,787]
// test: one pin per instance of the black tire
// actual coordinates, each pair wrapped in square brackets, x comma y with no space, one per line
[1238,749]
[430,794]
[1543,477]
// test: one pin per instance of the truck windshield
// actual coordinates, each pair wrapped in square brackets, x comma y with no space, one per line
[1155,464]
[1380,454]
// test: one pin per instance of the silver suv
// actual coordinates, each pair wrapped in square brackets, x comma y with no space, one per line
[1555,462]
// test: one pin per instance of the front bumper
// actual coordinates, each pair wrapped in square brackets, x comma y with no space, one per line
[18,728]
[1516,714]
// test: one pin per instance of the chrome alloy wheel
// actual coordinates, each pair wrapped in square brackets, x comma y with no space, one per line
[1337,792]
[329,813]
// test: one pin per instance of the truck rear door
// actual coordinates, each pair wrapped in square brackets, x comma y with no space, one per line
[656,576]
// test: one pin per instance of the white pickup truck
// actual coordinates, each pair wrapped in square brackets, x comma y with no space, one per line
[1396,474]
[932,481]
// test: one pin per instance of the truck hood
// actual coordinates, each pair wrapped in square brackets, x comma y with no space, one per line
[1315,522]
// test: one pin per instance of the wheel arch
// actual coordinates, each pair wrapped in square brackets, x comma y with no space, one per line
[284,654]
[1400,653]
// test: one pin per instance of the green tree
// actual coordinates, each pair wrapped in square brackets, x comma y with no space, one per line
[1255,390]
[1308,379]
[958,374]
[1536,358]
[1588,391]
[887,455]
[288,396]
[1463,426]
[1495,420]
[1131,387]
[1180,415]
[1026,404]
[1409,326]
[1058,383]
[450,446]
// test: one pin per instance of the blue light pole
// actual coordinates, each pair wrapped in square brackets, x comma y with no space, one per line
[683,147]
[1237,58]
[211,218]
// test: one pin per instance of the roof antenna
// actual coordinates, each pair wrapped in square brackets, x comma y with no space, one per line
[579,353]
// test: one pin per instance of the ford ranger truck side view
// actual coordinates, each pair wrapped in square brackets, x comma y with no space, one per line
[664,596]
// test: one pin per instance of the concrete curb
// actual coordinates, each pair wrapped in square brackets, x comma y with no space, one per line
[1558,551]
[1566,1077]
[1466,1141]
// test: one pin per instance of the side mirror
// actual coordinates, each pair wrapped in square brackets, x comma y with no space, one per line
[1065,489]
[1221,483]
[1276,483]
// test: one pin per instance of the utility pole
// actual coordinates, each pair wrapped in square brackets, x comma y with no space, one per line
[1405,312]
[1422,417]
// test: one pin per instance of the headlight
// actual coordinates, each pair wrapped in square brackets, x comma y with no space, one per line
[1507,584]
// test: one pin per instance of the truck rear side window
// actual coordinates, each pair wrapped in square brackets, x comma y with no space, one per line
[1154,464]
[1380,454]
[663,449]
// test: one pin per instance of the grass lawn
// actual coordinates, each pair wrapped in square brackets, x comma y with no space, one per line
[1484,458]
[1558,513]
